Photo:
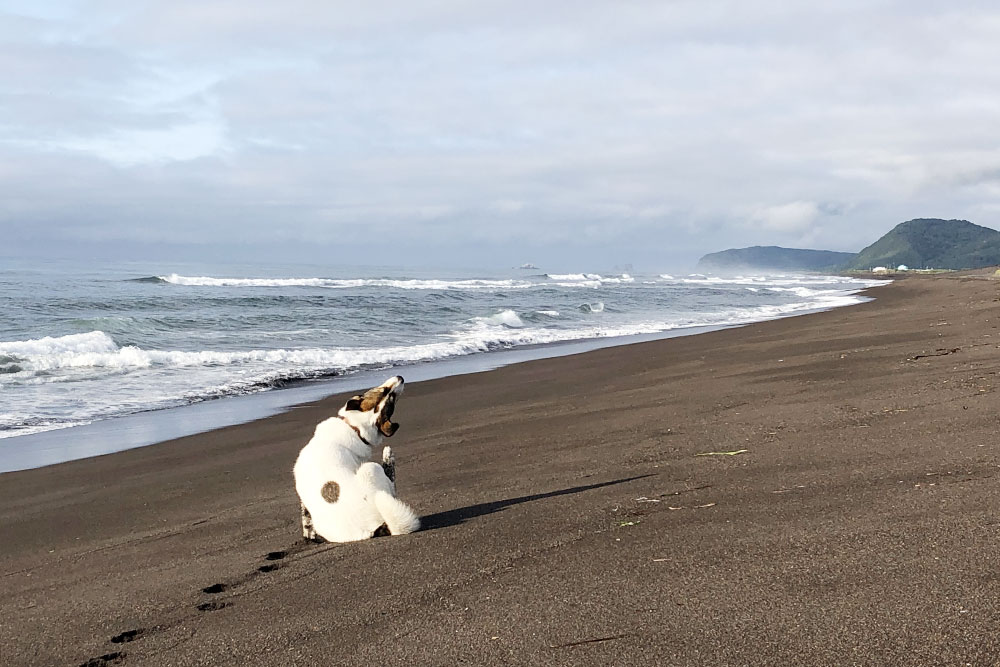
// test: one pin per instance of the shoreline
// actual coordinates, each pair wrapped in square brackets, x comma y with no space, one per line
[152,427]
[97,384]
[787,492]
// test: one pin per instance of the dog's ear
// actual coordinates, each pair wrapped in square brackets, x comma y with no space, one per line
[353,404]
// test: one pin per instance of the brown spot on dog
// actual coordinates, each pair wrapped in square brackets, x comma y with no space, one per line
[330,492]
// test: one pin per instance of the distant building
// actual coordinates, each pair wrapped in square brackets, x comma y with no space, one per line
[902,267]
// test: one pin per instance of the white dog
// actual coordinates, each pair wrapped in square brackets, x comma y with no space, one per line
[345,497]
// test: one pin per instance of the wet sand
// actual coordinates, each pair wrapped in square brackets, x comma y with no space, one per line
[578,510]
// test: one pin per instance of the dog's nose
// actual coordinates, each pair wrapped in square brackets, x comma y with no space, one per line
[399,379]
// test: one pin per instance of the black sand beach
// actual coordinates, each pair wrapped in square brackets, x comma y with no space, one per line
[588,509]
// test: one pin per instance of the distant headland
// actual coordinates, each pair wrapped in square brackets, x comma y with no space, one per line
[922,243]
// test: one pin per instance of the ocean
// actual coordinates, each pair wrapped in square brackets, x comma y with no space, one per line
[83,343]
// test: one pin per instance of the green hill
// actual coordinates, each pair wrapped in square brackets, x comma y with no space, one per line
[773,257]
[932,243]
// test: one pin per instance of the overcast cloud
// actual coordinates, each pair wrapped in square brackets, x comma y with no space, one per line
[577,134]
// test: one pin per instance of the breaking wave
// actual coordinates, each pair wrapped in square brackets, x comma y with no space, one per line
[587,279]
[346,283]
[554,279]
[507,318]
[149,351]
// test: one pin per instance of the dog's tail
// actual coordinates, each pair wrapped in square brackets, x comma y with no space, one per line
[398,516]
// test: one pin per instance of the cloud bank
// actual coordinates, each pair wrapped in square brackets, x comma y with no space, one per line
[646,132]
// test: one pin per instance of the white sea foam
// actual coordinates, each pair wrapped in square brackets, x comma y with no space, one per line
[587,279]
[132,358]
[572,277]
[805,292]
[555,279]
[779,280]
[94,342]
[56,381]
[507,318]
[42,359]
[338,283]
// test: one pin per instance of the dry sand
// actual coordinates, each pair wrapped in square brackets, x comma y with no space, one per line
[570,519]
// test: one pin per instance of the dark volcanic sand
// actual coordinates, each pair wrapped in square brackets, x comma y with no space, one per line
[569,520]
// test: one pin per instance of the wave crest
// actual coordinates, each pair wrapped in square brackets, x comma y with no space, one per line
[587,279]
[346,283]
[506,318]
[94,342]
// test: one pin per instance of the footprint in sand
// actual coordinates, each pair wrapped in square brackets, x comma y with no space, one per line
[127,636]
[215,589]
[107,659]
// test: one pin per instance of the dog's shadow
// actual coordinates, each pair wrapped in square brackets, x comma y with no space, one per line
[460,515]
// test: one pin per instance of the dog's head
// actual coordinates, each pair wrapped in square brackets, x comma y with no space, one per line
[374,408]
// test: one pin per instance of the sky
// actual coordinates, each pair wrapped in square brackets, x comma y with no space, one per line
[575,135]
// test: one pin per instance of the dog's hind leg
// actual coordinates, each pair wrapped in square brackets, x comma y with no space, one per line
[308,531]
[389,464]
[397,515]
